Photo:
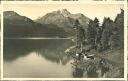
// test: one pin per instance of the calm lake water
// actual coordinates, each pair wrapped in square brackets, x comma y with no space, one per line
[37,58]
[42,58]
[45,58]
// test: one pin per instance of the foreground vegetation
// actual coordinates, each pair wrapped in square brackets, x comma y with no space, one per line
[106,43]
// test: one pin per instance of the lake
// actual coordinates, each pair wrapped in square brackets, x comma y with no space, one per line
[43,58]
[26,58]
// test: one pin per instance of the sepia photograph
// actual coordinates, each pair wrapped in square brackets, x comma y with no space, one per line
[63,40]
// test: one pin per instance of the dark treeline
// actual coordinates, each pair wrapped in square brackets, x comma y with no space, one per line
[110,35]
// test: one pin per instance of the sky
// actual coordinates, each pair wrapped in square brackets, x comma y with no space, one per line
[33,11]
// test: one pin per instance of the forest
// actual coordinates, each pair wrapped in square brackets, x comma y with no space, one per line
[110,35]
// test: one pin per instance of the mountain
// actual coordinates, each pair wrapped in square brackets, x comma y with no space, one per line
[16,25]
[64,19]
[55,24]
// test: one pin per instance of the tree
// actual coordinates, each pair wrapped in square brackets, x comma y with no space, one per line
[106,33]
[90,34]
[93,32]
[117,37]
[97,31]
[80,34]
[108,36]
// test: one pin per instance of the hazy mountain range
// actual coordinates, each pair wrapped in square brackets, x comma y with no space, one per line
[54,24]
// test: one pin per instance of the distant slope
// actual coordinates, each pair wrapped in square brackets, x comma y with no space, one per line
[64,19]
[55,24]
[21,26]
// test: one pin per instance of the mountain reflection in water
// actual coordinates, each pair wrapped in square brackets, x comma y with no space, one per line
[22,57]
[44,58]
[52,50]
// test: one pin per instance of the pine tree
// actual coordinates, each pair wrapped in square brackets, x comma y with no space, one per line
[90,34]
[117,37]
[106,33]
[108,36]
[93,32]
[97,33]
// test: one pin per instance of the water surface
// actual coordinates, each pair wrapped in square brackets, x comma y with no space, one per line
[41,58]
[37,58]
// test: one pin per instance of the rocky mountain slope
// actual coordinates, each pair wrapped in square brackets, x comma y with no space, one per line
[16,25]
[64,19]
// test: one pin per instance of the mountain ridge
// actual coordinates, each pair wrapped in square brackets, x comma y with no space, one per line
[60,17]
[16,25]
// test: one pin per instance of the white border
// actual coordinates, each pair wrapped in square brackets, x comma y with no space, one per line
[63,2]
[67,2]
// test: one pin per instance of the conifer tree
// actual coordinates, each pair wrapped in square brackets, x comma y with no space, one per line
[106,33]
[117,37]
[93,32]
